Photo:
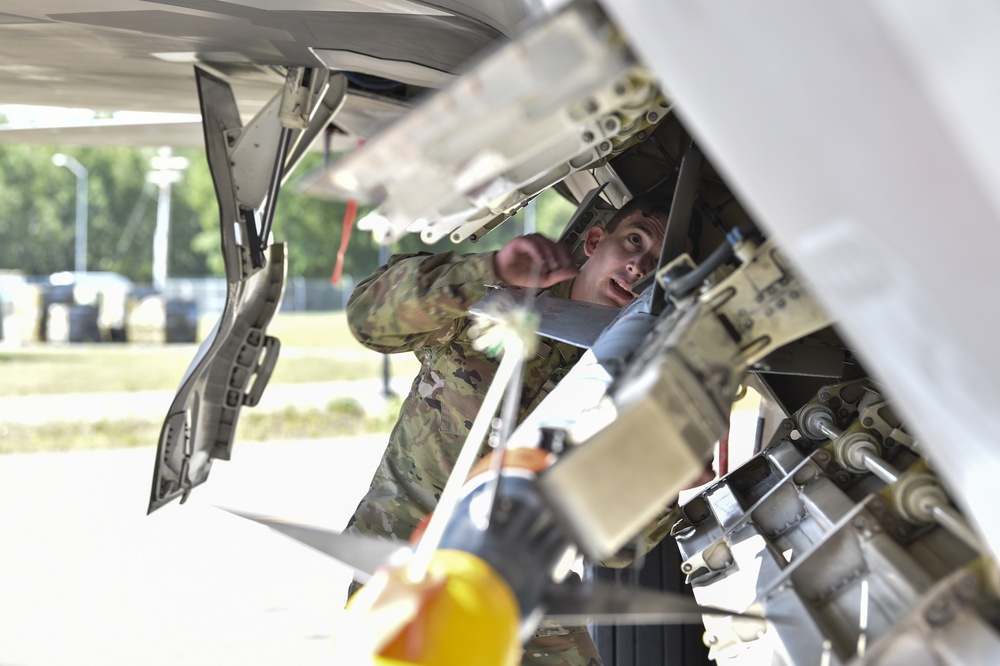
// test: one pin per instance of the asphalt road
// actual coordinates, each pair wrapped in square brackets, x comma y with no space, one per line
[86,577]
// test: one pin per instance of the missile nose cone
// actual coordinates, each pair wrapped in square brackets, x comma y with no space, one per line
[462,613]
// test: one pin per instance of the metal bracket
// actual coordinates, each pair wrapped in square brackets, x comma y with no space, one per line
[248,165]
[672,402]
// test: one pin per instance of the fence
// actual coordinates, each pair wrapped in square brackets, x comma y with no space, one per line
[301,294]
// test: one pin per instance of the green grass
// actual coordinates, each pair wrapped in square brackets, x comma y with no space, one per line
[342,417]
[314,348]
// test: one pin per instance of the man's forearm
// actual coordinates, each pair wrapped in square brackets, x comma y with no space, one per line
[418,300]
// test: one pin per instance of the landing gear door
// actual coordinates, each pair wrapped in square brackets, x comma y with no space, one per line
[234,363]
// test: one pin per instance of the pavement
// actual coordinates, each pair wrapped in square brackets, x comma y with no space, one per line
[87,578]
[98,406]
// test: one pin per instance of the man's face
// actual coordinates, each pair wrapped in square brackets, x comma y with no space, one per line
[617,259]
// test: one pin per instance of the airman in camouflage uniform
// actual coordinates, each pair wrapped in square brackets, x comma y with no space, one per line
[420,303]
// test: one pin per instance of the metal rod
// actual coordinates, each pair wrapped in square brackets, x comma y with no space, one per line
[275,186]
[511,406]
[943,515]
[863,620]
[453,488]
[882,469]
[828,429]
[508,416]
[383,259]
[948,518]
[824,659]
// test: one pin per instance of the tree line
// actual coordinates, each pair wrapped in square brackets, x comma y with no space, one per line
[37,218]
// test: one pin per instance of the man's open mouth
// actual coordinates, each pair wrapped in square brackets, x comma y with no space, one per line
[623,290]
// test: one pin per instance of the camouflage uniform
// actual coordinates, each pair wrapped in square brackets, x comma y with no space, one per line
[420,303]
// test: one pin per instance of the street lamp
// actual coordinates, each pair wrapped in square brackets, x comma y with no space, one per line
[167,170]
[80,265]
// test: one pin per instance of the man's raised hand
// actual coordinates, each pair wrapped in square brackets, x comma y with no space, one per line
[534,261]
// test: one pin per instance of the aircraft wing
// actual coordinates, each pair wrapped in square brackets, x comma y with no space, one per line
[133,55]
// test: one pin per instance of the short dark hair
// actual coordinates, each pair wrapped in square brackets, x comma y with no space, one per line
[649,203]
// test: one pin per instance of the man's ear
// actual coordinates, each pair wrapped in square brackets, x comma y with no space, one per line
[594,236]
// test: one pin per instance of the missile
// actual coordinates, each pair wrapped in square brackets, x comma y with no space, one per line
[494,558]
[498,570]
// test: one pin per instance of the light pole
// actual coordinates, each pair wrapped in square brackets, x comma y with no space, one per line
[80,265]
[167,170]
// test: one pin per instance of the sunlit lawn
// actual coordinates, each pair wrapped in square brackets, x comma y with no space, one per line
[343,416]
[314,348]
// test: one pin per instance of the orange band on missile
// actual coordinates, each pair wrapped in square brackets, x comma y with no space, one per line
[531,459]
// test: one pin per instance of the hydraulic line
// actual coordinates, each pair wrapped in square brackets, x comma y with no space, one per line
[930,504]
[275,185]
[948,518]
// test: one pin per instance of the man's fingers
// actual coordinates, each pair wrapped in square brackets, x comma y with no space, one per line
[545,251]
[533,250]
[534,260]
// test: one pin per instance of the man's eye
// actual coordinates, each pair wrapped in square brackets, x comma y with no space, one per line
[635,239]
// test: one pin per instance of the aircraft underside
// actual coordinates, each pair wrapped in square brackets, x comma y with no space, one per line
[831,276]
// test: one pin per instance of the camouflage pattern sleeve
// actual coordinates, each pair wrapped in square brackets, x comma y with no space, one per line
[418,300]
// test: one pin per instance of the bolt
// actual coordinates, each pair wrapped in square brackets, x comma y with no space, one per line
[605,145]
[473,238]
[686,567]
[824,396]
[786,424]
[768,312]
[610,124]
[793,294]
[868,422]
[781,302]
[588,136]
[822,456]
[620,89]
[889,441]
[641,136]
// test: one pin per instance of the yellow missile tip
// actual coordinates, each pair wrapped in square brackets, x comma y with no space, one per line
[461,614]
